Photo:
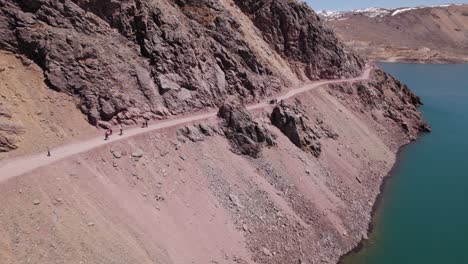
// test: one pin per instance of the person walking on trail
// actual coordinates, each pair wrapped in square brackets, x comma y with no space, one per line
[121,130]
[106,135]
[48,152]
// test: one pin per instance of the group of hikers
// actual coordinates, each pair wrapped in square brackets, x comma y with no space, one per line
[109,133]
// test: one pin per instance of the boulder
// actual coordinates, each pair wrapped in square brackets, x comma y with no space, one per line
[245,135]
[138,153]
[294,125]
[191,133]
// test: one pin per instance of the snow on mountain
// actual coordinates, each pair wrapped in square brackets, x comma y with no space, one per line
[372,12]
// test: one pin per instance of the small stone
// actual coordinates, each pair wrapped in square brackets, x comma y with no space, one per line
[36,202]
[138,153]
[163,153]
[266,251]
[364,236]
[117,154]
[182,157]
[144,194]
[90,224]
[235,200]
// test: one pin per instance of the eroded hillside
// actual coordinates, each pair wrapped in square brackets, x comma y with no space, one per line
[184,195]
[425,34]
[32,116]
[254,180]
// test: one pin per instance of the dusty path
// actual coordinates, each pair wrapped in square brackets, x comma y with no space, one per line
[21,165]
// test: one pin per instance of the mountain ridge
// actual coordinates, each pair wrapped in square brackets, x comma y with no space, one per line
[426,34]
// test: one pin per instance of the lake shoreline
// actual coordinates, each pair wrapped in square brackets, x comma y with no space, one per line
[379,199]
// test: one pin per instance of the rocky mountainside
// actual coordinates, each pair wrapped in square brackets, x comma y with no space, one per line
[292,181]
[437,34]
[291,184]
[127,60]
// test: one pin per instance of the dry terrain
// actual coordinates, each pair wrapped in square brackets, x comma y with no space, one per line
[32,116]
[162,197]
[425,35]
[268,139]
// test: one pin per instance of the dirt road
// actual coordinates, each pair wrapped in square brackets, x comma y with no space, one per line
[21,165]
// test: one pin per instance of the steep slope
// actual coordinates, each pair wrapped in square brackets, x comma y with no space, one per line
[32,116]
[127,60]
[422,34]
[293,181]
[181,196]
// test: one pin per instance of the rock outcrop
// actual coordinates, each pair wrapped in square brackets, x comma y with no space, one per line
[9,131]
[291,121]
[387,99]
[128,60]
[195,133]
[296,32]
[246,136]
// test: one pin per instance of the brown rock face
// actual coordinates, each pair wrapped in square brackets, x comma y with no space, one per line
[297,33]
[246,136]
[294,125]
[9,131]
[7,141]
[387,99]
[126,60]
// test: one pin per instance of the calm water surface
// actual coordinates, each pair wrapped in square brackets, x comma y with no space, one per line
[423,217]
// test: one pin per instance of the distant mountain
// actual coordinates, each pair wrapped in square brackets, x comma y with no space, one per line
[437,34]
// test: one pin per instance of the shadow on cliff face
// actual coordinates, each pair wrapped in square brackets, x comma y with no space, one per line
[303,132]
[246,136]
[296,32]
[128,60]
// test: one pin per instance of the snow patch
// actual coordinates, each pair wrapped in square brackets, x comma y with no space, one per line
[374,12]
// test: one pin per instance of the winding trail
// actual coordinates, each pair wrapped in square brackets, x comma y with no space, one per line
[17,166]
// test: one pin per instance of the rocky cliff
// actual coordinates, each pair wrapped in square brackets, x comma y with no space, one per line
[126,60]
[288,182]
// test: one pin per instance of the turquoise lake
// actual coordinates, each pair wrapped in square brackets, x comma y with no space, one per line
[423,214]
